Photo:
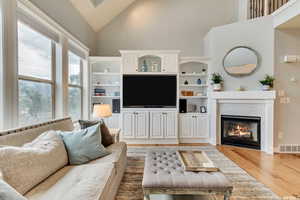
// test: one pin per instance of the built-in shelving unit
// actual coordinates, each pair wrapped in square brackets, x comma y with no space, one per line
[193,88]
[193,79]
[155,125]
[106,84]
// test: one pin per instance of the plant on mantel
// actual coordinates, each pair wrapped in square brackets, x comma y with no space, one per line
[217,81]
[267,82]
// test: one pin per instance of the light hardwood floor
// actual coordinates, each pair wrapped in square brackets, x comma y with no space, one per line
[279,172]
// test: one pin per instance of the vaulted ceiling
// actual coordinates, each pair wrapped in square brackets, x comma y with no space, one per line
[98,13]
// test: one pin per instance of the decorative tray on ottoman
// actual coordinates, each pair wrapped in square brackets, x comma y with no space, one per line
[196,161]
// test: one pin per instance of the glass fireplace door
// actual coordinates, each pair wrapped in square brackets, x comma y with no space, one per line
[242,131]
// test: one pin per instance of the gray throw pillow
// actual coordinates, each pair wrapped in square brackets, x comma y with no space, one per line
[106,138]
[84,145]
[9,193]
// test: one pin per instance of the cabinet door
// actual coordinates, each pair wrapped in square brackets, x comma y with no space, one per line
[130,63]
[170,63]
[128,125]
[200,130]
[156,125]
[186,126]
[170,124]
[142,125]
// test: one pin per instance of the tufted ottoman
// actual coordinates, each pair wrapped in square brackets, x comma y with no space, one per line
[164,174]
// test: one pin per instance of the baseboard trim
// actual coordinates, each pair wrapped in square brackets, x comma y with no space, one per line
[153,141]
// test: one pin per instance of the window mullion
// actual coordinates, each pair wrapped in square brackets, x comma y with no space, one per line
[29,78]
[53,70]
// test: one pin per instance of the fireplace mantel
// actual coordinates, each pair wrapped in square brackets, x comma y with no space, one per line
[246,103]
[256,95]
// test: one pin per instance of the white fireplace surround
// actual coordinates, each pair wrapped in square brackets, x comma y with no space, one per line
[248,103]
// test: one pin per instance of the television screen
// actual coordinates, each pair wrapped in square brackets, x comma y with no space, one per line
[149,91]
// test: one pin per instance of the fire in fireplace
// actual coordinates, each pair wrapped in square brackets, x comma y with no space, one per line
[241,131]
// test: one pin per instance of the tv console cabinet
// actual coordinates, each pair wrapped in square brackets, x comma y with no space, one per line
[155,125]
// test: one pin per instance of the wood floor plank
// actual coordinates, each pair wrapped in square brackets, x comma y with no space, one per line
[279,172]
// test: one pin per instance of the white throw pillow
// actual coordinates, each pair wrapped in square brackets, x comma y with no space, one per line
[25,167]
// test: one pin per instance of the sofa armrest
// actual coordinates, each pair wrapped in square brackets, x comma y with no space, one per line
[115,132]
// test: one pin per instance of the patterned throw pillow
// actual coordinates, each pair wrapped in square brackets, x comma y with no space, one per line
[27,166]
[107,138]
[84,145]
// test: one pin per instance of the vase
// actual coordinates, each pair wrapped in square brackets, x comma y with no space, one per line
[217,87]
[199,82]
[266,87]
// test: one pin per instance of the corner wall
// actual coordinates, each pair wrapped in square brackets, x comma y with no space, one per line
[257,34]
[165,24]
[287,115]
[68,17]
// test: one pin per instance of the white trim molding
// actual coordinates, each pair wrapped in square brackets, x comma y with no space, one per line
[34,11]
[254,103]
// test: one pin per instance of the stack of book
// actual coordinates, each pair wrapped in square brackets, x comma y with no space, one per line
[99,92]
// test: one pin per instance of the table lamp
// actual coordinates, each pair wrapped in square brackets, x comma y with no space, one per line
[102,111]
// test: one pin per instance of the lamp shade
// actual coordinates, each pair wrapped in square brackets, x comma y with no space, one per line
[102,111]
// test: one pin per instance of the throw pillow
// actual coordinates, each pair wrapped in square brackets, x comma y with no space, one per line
[107,138]
[25,167]
[84,145]
[9,193]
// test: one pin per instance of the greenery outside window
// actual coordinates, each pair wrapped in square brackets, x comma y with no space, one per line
[36,65]
[75,87]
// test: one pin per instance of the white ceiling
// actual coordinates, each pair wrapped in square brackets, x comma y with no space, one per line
[98,13]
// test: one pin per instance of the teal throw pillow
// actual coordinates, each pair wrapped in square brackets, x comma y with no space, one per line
[84,145]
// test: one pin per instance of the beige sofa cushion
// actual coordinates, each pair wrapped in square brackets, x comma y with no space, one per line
[116,150]
[86,182]
[91,181]
[25,167]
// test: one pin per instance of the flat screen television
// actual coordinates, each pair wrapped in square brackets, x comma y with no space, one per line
[149,91]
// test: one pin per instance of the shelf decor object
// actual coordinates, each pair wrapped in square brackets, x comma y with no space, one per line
[149,63]
[196,161]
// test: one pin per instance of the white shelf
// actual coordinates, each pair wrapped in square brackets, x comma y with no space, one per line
[194,85]
[193,97]
[106,74]
[193,75]
[108,97]
[106,85]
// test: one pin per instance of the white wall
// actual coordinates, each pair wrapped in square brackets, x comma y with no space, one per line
[67,16]
[165,24]
[257,34]
[287,115]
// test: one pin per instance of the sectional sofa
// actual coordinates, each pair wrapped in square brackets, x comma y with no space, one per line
[97,180]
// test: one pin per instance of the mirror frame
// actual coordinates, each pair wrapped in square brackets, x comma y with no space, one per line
[245,47]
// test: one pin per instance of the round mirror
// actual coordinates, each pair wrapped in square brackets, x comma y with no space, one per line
[240,61]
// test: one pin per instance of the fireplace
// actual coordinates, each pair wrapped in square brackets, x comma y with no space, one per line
[241,131]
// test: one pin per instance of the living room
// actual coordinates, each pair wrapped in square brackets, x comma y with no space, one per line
[149,99]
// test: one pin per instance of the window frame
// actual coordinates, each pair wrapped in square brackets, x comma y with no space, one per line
[80,86]
[52,82]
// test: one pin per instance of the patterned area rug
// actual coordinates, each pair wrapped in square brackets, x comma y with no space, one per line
[245,186]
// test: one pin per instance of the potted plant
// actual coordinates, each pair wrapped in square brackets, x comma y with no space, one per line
[217,81]
[267,82]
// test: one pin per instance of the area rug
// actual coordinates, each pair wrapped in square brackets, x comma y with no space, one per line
[245,186]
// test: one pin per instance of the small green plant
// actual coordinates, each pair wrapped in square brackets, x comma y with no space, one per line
[216,78]
[269,80]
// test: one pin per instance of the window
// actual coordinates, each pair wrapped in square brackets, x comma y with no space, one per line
[36,56]
[75,86]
